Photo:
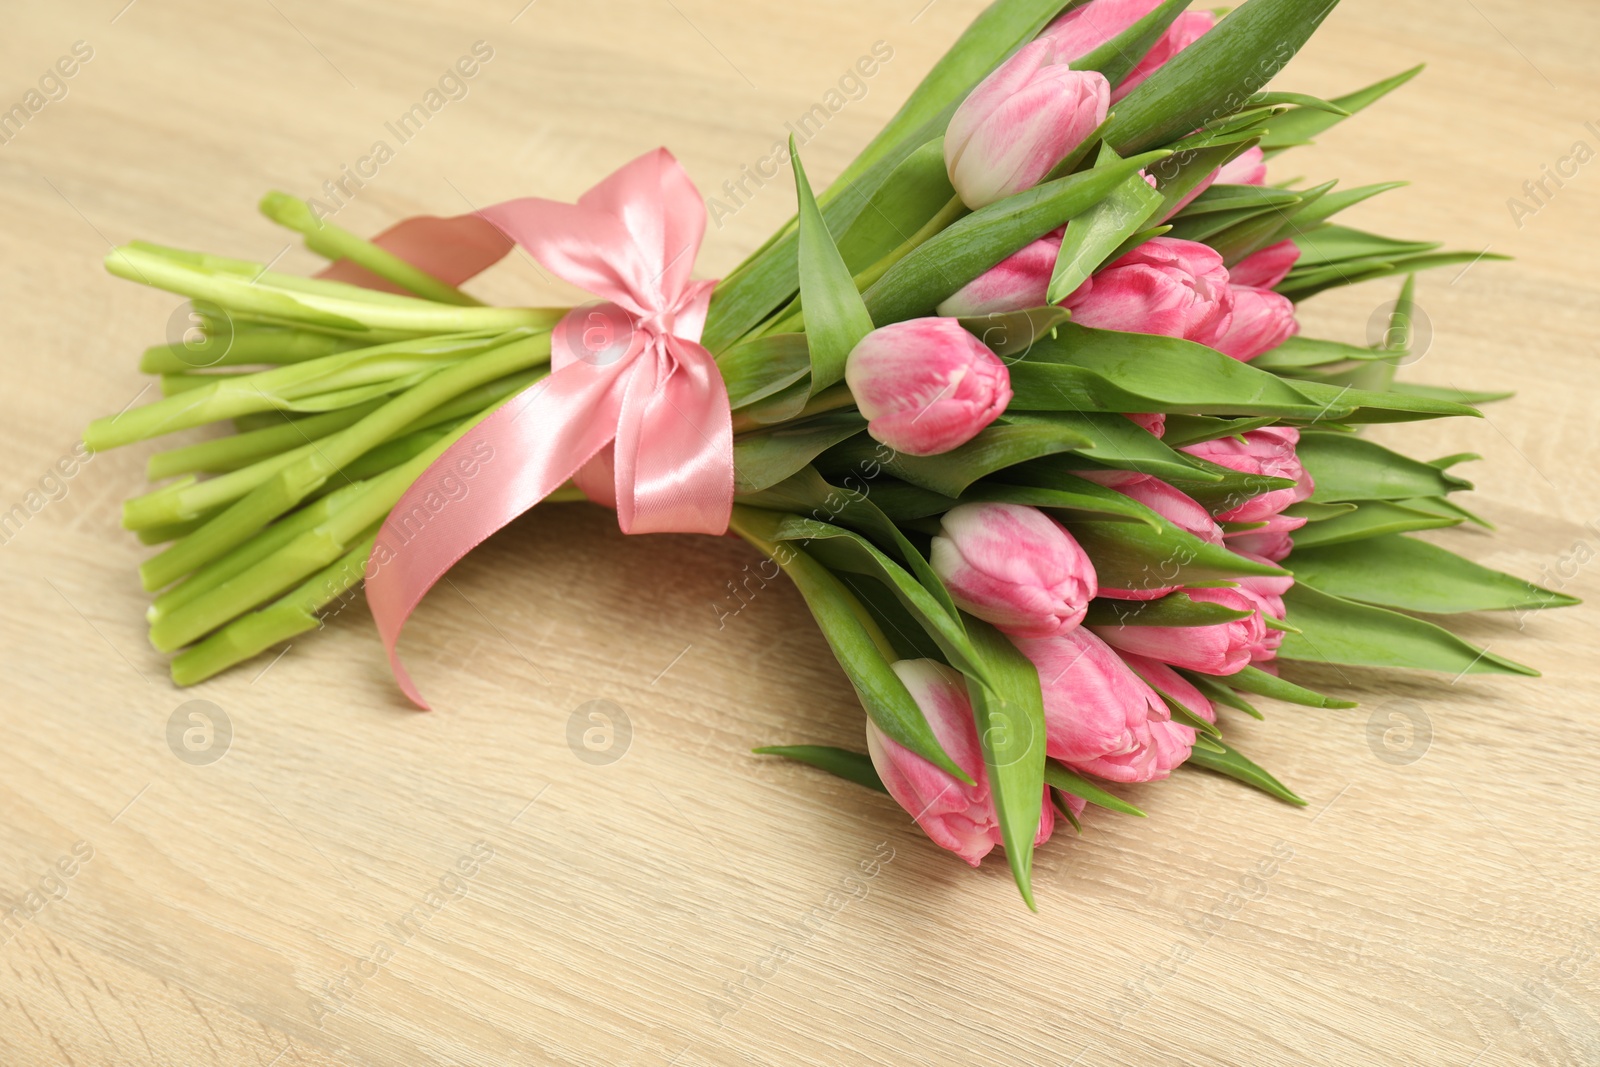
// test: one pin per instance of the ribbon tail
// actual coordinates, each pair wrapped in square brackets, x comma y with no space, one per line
[513,459]
[454,250]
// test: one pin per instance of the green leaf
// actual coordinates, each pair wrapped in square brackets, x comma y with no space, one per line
[1372,518]
[971,245]
[1314,103]
[1444,508]
[1084,369]
[852,636]
[1348,404]
[1092,236]
[1224,198]
[1336,630]
[1305,509]
[1010,719]
[1299,351]
[1213,75]
[1064,779]
[1174,609]
[836,319]
[845,550]
[1257,681]
[1349,272]
[1113,442]
[771,276]
[1211,227]
[1336,244]
[1450,392]
[900,501]
[1332,203]
[1131,556]
[765,457]
[1302,124]
[1402,572]
[1193,429]
[1014,333]
[851,766]
[1231,762]
[999,446]
[756,369]
[914,193]
[1066,493]
[1353,468]
[1220,694]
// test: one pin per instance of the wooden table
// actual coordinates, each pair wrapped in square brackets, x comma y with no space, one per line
[354,882]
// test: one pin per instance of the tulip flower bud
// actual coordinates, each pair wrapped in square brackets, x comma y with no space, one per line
[1019,281]
[1266,268]
[1020,122]
[1098,714]
[1262,320]
[955,815]
[1185,30]
[1247,168]
[1165,286]
[1088,26]
[1271,542]
[1221,648]
[1085,28]
[926,385]
[1268,452]
[1173,741]
[1014,566]
[1152,423]
[1267,594]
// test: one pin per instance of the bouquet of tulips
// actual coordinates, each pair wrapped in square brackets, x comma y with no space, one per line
[1019,403]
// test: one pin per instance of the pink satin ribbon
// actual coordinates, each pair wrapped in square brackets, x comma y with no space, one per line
[634,410]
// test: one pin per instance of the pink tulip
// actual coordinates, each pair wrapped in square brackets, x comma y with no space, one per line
[1271,542]
[1019,281]
[1020,122]
[1266,268]
[1222,648]
[1085,28]
[1173,740]
[1174,505]
[1014,566]
[955,815]
[1267,596]
[1099,715]
[926,385]
[1153,423]
[1268,452]
[1165,286]
[1262,320]
[1248,168]
[1185,30]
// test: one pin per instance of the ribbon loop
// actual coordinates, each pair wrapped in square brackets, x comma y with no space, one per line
[634,409]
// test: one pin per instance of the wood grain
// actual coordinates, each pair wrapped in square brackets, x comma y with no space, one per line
[353,882]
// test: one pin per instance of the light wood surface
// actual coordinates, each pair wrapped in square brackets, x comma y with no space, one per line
[354,882]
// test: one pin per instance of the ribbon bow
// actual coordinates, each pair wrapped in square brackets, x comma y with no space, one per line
[634,409]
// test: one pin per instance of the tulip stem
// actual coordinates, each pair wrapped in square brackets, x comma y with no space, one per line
[336,243]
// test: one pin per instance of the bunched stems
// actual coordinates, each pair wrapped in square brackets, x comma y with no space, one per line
[292,484]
